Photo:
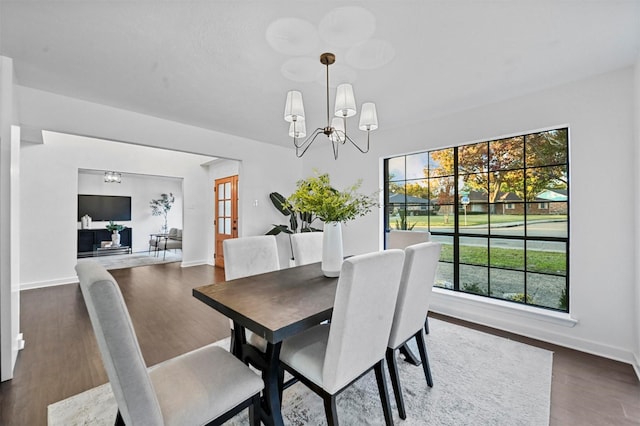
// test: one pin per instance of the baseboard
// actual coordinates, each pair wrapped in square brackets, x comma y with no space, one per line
[194,263]
[523,324]
[636,364]
[48,283]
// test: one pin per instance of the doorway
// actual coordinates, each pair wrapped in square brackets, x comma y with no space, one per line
[226,214]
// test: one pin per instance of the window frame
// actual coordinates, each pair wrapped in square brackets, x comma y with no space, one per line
[457,207]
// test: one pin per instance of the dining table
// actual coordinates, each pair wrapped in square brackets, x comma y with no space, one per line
[274,305]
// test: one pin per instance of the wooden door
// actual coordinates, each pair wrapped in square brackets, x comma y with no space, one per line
[226,216]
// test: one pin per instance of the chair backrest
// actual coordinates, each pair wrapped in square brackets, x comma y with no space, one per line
[250,256]
[414,295]
[362,315]
[118,345]
[400,239]
[307,247]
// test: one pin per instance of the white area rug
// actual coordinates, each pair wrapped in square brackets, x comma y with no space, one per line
[479,379]
[120,261]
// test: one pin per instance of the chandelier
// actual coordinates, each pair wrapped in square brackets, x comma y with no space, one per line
[336,129]
[112,177]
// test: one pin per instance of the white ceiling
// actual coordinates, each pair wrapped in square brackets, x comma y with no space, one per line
[209,63]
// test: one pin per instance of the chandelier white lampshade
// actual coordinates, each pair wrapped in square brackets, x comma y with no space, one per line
[297,129]
[345,101]
[294,108]
[336,129]
[368,117]
[338,134]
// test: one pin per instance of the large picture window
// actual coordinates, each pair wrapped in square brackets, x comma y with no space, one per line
[500,209]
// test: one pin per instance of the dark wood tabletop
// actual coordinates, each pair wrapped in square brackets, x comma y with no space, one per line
[275,305]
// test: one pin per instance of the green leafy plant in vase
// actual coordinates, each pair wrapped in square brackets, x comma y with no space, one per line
[115,229]
[316,195]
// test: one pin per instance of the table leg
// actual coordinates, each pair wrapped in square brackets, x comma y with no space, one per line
[273,415]
[238,340]
[269,364]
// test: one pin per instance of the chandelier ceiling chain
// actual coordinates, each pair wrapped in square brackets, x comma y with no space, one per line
[336,129]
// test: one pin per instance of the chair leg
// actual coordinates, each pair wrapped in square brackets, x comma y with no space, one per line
[119,420]
[330,409]
[426,325]
[408,355]
[384,395]
[232,345]
[254,411]
[422,348]
[392,363]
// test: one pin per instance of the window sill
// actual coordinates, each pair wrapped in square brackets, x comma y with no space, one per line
[445,301]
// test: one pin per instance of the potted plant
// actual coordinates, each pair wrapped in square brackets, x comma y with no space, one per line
[161,207]
[115,229]
[316,195]
[297,223]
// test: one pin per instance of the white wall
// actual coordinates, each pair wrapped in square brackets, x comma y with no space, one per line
[599,112]
[9,219]
[49,196]
[142,189]
[636,119]
[264,167]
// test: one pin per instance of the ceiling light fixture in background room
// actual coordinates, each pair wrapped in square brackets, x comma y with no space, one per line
[336,129]
[112,177]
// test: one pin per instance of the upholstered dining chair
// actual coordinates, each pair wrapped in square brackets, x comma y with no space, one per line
[306,247]
[205,386]
[247,256]
[329,357]
[414,295]
[401,239]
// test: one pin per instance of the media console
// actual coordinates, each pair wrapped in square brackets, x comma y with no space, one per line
[90,238]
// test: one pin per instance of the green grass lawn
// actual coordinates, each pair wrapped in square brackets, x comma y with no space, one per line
[537,260]
[441,221]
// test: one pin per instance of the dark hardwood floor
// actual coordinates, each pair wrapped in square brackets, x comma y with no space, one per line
[61,357]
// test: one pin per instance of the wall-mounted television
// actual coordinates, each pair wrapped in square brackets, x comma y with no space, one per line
[104,207]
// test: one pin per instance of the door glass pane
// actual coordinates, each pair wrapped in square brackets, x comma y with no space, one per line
[227,226]
[227,208]
[227,190]
[220,226]
[221,209]
[220,192]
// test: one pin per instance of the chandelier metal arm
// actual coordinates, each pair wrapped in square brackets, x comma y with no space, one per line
[336,129]
[347,138]
[307,142]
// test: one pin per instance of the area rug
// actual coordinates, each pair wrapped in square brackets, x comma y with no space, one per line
[120,261]
[479,379]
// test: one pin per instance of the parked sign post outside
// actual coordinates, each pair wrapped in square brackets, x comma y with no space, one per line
[465,201]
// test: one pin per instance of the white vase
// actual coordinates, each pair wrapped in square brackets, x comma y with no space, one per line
[332,249]
[115,239]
